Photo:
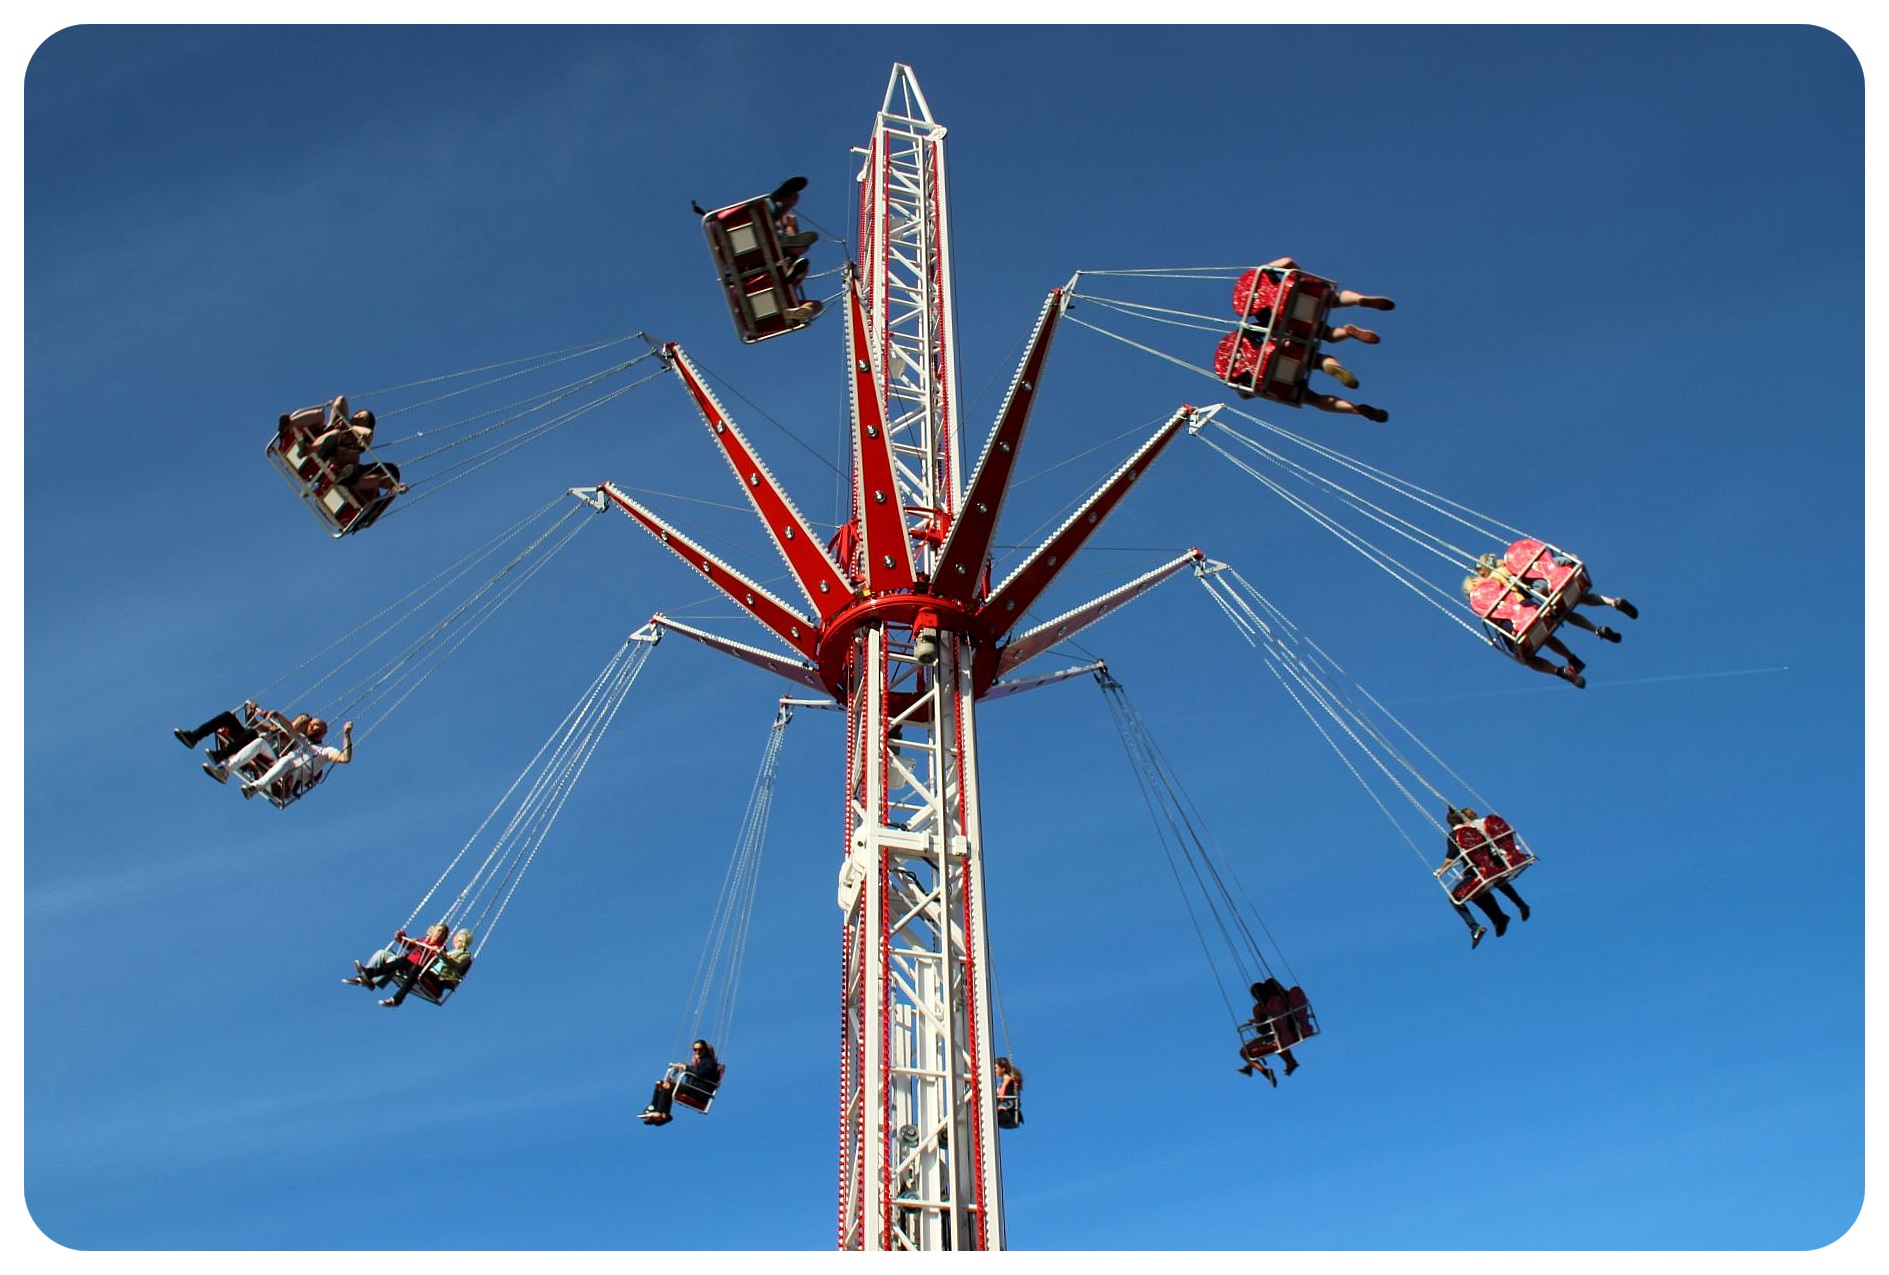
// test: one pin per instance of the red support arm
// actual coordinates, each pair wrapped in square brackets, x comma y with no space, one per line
[826,588]
[1001,690]
[793,671]
[796,630]
[961,561]
[888,549]
[1028,646]
[1017,594]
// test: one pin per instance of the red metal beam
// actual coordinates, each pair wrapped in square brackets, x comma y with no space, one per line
[961,561]
[1016,595]
[796,630]
[792,670]
[887,546]
[1027,646]
[805,554]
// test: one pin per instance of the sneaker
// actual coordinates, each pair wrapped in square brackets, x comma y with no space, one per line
[1370,413]
[360,972]
[1377,303]
[391,1003]
[354,982]
[1621,605]
[1501,925]
[184,737]
[1270,1078]
[1475,936]
[1523,908]
[1606,635]
[216,772]
[1292,1065]
[1340,373]
[249,790]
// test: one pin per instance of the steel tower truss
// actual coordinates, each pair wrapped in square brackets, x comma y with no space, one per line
[902,628]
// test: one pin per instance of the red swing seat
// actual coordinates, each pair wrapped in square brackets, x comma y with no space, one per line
[1520,616]
[432,985]
[696,1093]
[1509,618]
[754,270]
[1268,368]
[1288,1020]
[1282,320]
[292,452]
[1555,580]
[1490,854]
[1284,303]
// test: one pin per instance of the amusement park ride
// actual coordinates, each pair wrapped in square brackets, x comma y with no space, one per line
[900,625]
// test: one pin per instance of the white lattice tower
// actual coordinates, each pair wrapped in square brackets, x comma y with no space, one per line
[900,624]
[918,1148]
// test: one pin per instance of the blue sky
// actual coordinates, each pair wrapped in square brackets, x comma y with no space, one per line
[1606,245]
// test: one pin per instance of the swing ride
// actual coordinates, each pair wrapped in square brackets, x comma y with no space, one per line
[897,623]
[760,256]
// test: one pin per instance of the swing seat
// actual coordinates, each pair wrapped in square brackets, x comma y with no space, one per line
[1485,862]
[1288,1020]
[1009,1111]
[292,453]
[436,982]
[300,784]
[1556,581]
[269,748]
[1510,853]
[1284,303]
[1507,844]
[1259,366]
[1299,1013]
[1542,566]
[754,271]
[697,1093]
[1516,622]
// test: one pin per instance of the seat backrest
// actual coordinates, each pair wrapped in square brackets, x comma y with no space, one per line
[1304,301]
[1300,1011]
[1474,849]
[1284,367]
[696,1092]
[1235,359]
[1256,290]
[1492,598]
[1497,829]
[1534,561]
